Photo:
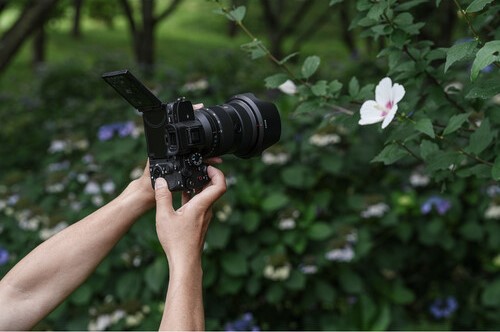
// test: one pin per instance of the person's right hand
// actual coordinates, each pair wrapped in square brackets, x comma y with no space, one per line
[182,232]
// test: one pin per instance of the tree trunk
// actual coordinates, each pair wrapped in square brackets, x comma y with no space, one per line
[146,53]
[76,31]
[39,47]
[33,16]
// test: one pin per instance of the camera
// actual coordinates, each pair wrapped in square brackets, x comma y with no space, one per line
[179,139]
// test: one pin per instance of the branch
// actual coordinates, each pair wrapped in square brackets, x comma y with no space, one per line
[169,10]
[128,14]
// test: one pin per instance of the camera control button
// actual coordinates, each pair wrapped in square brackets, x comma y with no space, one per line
[195,159]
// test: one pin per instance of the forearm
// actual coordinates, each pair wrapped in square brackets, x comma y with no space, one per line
[184,301]
[46,276]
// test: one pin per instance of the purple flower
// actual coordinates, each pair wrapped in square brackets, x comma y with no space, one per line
[245,323]
[440,204]
[123,129]
[4,256]
[443,308]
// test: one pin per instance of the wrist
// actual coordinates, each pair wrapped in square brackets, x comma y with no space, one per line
[138,196]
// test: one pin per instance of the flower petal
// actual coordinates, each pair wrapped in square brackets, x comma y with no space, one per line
[383,91]
[398,92]
[389,116]
[370,113]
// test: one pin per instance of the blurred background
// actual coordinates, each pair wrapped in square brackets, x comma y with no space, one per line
[310,236]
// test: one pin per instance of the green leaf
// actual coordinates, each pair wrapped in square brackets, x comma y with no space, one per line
[307,106]
[441,160]
[491,294]
[455,123]
[334,86]
[390,154]
[255,48]
[481,138]
[274,201]
[488,54]
[298,176]
[425,126]
[310,66]
[237,14]
[458,52]
[296,281]
[477,5]
[403,19]
[495,170]
[485,88]
[353,87]
[319,89]
[350,281]
[472,231]
[401,294]
[427,148]
[275,81]
[409,5]
[320,231]
[234,264]
[82,295]
[218,235]
[383,319]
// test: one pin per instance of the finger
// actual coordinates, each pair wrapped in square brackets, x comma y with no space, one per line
[197,106]
[163,198]
[211,193]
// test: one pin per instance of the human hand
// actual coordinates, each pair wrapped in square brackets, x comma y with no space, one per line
[182,232]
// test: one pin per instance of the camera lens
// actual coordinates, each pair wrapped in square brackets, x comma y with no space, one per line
[244,126]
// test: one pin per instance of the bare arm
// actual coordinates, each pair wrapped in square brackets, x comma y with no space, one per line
[54,269]
[181,233]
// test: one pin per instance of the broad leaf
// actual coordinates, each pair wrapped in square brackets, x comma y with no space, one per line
[477,5]
[310,66]
[390,154]
[458,52]
[455,123]
[488,54]
[425,126]
[481,138]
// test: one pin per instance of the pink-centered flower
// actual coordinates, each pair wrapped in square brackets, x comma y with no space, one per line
[384,107]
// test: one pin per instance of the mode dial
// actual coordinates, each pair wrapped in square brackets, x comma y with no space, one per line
[195,159]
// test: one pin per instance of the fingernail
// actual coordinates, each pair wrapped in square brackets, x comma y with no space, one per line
[160,183]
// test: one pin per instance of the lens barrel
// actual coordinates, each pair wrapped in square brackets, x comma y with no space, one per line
[244,126]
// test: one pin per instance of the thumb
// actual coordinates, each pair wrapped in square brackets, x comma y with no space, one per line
[163,197]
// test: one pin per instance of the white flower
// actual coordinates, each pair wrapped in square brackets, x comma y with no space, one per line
[324,139]
[57,146]
[49,232]
[384,107]
[108,187]
[92,188]
[345,254]
[419,180]
[277,272]
[376,210]
[136,173]
[286,223]
[308,269]
[493,212]
[280,158]
[288,87]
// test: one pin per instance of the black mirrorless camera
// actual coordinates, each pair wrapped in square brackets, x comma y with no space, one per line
[179,139]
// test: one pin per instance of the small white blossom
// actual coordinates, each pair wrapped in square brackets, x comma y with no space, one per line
[108,187]
[496,99]
[376,210]
[286,223]
[55,167]
[55,188]
[136,173]
[201,84]
[58,146]
[384,107]
[493,212]
[82,178]
[345,254]
[419,180]
[97,200]
[308,269]
[288,87]
[224,213]
[82,144]
[269,158]
[324,139]
[277,272]
[3,204]
[92,188]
